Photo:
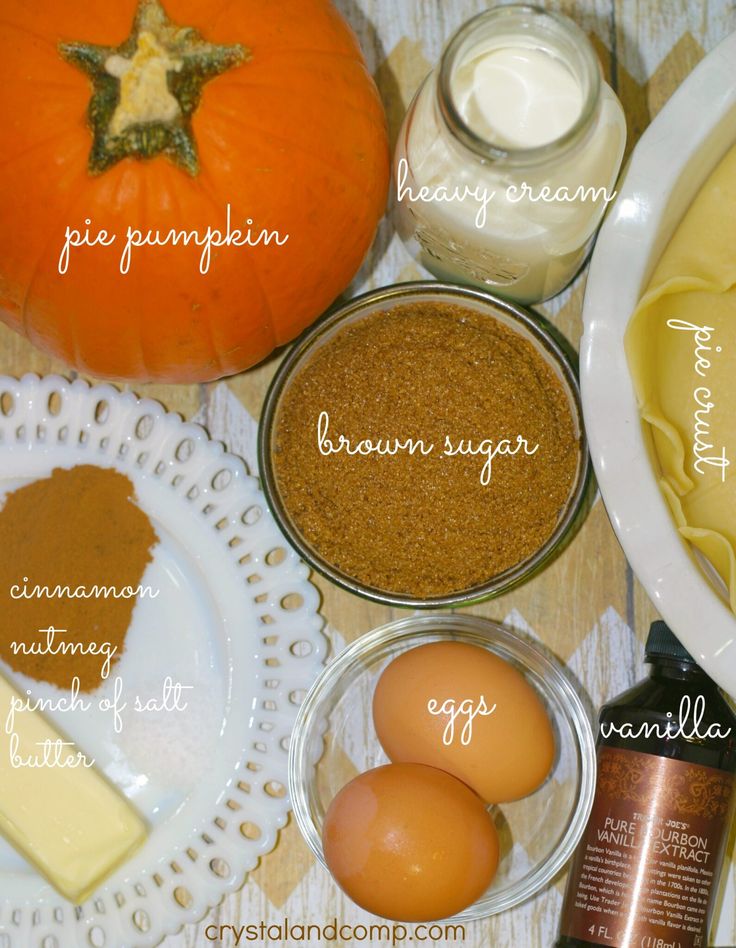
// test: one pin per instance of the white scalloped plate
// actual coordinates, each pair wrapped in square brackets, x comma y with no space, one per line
[236,618]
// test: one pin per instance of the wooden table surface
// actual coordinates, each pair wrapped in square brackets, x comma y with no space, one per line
[587,607]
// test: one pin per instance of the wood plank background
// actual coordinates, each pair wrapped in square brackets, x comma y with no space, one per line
[587,607]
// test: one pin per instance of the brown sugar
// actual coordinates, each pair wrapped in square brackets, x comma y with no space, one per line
[79,528]
[414,523]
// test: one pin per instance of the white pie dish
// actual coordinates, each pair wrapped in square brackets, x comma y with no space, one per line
[240,622]
[669,165]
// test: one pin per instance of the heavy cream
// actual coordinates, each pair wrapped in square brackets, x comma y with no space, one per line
[517,96]
[509,155]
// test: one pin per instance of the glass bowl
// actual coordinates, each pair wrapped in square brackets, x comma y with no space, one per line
[334,740]
[547,342]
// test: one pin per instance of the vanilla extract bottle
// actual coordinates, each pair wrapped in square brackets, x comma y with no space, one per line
[646,870]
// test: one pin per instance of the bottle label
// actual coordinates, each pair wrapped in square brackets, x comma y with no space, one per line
[644,873]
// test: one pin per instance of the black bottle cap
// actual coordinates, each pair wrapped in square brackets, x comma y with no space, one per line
[661,643]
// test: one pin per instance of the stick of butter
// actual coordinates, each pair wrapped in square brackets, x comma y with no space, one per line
[69,821]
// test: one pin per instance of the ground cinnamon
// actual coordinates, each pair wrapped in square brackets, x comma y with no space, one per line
[414,523]
[75,546]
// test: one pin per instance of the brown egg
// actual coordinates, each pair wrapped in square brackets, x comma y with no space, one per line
[410,843]
[426,710]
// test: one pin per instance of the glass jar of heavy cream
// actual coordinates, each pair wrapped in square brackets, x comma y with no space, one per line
[509,154]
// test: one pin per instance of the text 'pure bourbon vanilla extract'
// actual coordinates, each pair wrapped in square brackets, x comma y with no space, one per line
[646,871]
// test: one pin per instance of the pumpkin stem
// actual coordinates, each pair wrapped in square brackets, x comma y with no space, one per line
[146,90]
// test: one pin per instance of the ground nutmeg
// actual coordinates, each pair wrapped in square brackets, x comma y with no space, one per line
[74,533]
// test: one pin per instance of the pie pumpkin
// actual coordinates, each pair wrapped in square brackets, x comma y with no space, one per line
[161,118]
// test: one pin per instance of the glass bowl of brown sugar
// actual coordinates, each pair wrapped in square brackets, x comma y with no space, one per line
[422,445]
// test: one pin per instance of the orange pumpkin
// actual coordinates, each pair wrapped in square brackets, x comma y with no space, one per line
[132,118]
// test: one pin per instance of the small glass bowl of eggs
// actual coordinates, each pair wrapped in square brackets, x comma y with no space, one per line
[525,742]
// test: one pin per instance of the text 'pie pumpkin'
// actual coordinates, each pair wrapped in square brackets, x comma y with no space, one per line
[139,117]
